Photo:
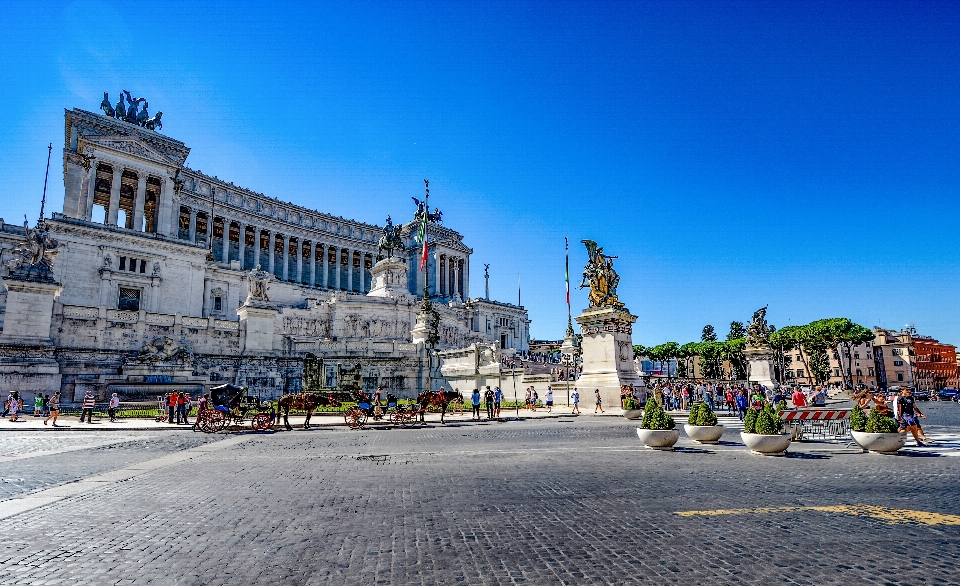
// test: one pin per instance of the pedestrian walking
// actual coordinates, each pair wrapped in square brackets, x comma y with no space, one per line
[475,400]
[38,405]
[13,406]
[549,399]
[202,405]
[87,407]
[575,397]
[183,408]
[533,399]
[907,413]
[112,407]
[497,399]
[526,397]
[46,405]
[171,406]
[488,399]
[54,407]
[798,398]
[599,406]
[741,401]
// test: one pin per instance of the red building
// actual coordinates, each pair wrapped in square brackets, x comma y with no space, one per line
[936,364]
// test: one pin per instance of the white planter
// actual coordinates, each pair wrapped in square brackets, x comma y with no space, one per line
[633,413]
[766,445]
[704,434]
[879,443]
[658,439]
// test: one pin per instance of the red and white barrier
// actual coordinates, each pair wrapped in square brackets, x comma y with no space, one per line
[814,414]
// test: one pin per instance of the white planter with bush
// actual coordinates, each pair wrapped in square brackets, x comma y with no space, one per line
[702,425]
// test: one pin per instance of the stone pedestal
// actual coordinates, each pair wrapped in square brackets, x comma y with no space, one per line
[29,311]
[30,370]
[389,278]
[257,320]
[607,353]
[760,366]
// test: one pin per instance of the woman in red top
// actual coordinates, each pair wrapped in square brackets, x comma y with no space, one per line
[798,398]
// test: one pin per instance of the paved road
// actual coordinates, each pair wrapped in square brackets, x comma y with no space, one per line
[555,501]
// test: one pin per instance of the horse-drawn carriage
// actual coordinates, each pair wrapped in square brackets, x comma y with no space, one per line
[231,405]
[391,410]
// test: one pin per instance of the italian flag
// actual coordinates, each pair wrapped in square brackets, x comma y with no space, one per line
[422,237]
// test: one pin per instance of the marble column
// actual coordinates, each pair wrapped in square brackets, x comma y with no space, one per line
[113,209]
[192,231]
[225,256]
[338,261]
[299,278]
[139,201]
[257,235]
[166,223]
[271,252]
[242,244]
[436,273]
[466,278]
[91,191]
[286,256]
[323,265]
[312,281]
[349,270]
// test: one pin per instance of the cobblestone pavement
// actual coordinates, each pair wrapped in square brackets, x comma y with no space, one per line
[553,501]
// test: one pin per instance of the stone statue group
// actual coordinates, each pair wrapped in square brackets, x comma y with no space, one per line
[132,112]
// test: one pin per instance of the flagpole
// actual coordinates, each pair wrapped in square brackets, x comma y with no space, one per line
[43,200]
[566,245]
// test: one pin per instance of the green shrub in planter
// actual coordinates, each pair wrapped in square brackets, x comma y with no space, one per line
[858,419]
[701,414]
[782,405]
[768,423]
[750,420]
[878,423]
[654,417]
[631,404]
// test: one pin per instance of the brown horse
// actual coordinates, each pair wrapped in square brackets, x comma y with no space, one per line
[305,401]
[437,399]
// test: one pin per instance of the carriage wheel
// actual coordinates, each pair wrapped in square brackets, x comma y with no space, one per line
[355,417]
[261,422]
[212,421]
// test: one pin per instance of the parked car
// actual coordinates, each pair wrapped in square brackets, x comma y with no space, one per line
[922,395]
[948,394]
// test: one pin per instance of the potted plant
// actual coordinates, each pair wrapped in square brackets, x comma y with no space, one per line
[657,431]
[763,432]
[701,425]
[632,408]
[878,433]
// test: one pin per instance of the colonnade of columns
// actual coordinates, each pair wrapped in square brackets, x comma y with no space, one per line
[450,276]
[137,179]
[288,258]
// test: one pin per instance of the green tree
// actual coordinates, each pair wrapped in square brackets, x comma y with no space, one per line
[639,351]
[737,330]
[733,353]
[783,341]
[664,353]
[708,334]
[689,353]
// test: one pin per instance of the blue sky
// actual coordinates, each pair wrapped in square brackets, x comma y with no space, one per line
[732,154]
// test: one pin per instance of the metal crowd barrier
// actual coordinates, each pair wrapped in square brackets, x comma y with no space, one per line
[817,423]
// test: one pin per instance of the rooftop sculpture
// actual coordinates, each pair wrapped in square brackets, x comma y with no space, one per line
[132,112]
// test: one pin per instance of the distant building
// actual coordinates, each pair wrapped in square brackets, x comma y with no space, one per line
[936,363]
